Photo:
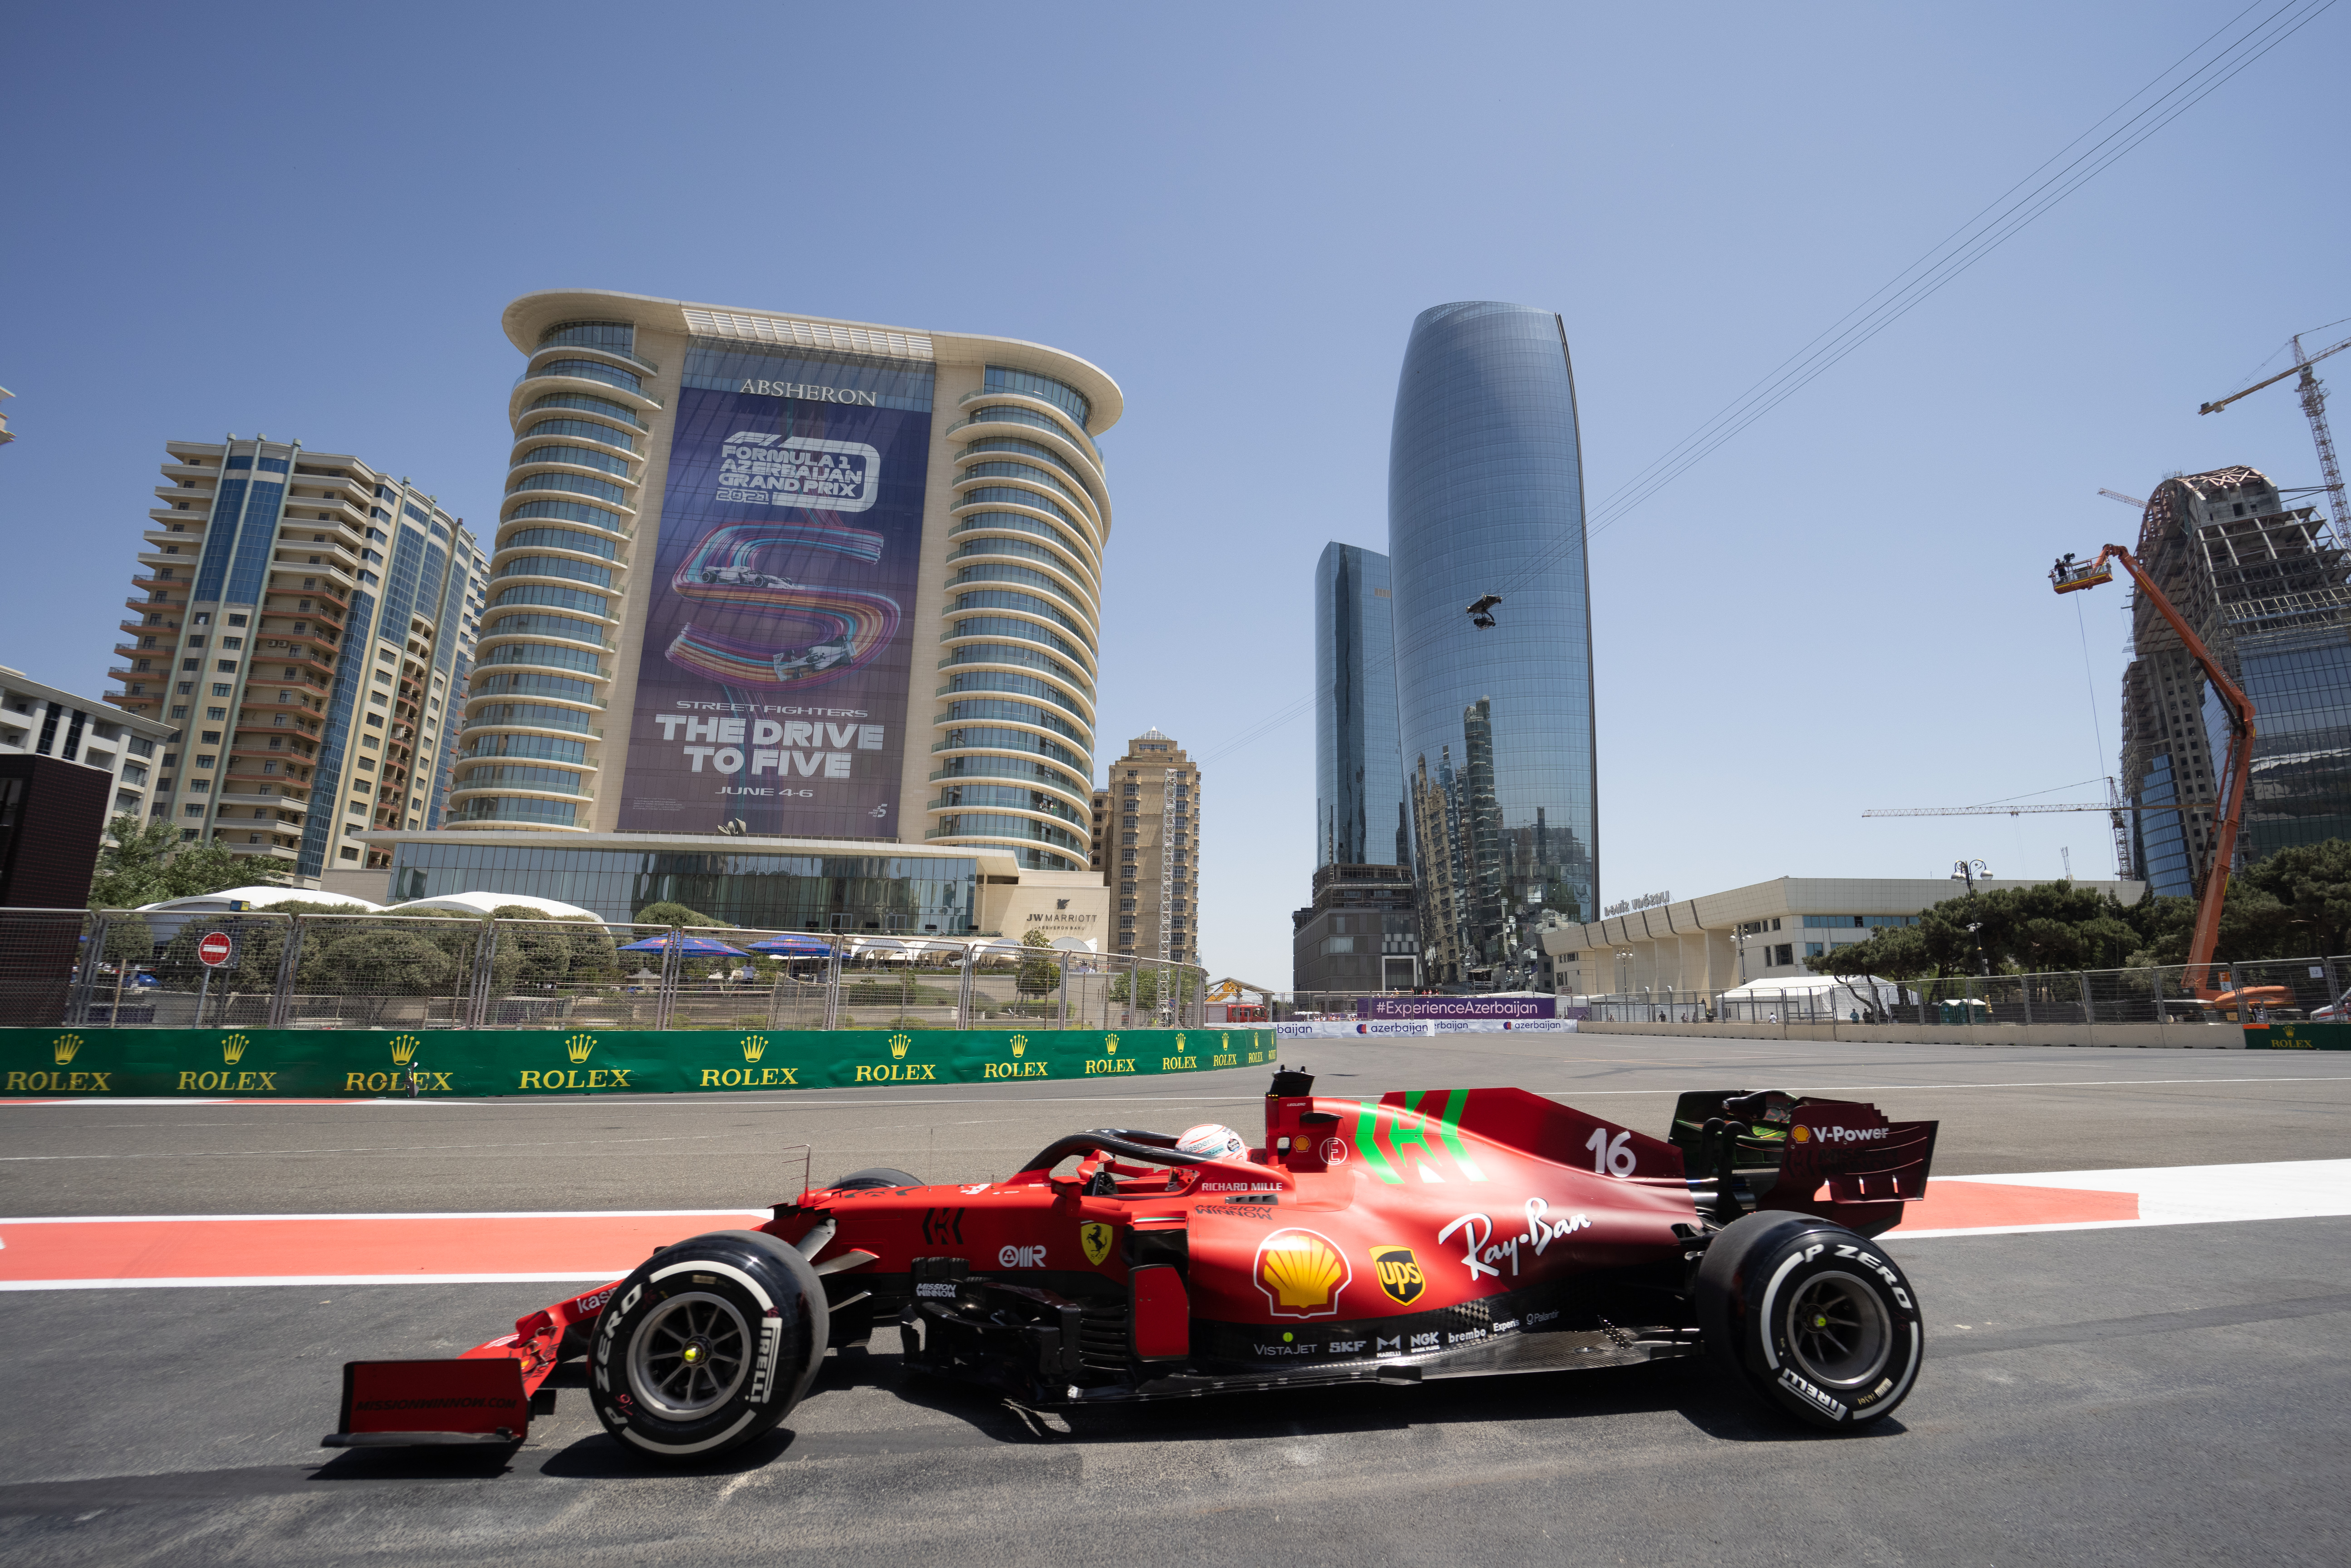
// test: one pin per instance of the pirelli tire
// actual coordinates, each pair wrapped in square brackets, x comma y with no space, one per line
[708,1346]
[1815,1318]
[876,1176]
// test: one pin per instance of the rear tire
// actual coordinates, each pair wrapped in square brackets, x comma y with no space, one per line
[876,1176]
[1811,1317]
[708,1346]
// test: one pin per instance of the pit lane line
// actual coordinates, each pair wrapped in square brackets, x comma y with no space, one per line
[162,1252]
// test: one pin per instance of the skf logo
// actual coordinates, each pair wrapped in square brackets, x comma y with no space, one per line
[1398,1273]
[1019,1045]
[898,1044]
[1301,1274]
[64,1047]
[578,1047]
[403,1048]
[1021,1257]
[233,1048]
[1095,1238]
[755,1046]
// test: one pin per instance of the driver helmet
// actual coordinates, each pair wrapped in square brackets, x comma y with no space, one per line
[1213,1140]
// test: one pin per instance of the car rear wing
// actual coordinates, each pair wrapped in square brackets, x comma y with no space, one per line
[1841,1159]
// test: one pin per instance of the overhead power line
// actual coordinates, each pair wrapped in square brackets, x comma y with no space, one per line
[2180,86]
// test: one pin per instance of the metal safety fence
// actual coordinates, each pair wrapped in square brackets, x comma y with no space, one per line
[447,969]
[2283,990]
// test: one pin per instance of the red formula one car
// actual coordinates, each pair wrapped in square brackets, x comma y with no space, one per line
[1445,1233]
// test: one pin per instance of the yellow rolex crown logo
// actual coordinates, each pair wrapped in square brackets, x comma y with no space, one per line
[403,1048]
[64,1047]
[233,1048]
[578,1047]
[1110,1043]
[1179,1043]
[1019,1046]
[755,1046]
[898,1044]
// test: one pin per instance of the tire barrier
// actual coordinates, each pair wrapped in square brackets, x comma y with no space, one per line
[337,1064]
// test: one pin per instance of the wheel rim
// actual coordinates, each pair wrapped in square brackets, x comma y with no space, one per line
[689,1356]
[1839,1331]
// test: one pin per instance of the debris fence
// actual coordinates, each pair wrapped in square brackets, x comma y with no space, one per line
[444,969]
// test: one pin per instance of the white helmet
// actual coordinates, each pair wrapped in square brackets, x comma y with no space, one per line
[1214,1141]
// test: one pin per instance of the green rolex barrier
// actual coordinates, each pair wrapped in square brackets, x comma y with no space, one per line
[316,1064]
[2298,1037]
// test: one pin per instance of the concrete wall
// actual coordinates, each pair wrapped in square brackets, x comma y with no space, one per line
[2140,1036]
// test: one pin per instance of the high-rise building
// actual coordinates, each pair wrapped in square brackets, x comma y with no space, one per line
[1495,723]
[2267,587]
[735,546]
[299,618]
[1359,934]
[1359,803]
[1156,790]
[39,720]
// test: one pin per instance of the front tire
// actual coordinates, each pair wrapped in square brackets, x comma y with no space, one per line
[1811,1317]
[874,1177]
[708,1346]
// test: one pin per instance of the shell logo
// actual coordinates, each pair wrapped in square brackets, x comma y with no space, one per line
[1301,1274]
[1800,1134]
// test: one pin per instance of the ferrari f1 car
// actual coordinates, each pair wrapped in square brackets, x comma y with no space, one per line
[1447,1233]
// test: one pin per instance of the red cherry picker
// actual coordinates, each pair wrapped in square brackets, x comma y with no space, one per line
[2069,576]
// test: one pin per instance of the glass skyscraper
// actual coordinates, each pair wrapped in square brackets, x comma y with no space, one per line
[1359,811]
[1495,724]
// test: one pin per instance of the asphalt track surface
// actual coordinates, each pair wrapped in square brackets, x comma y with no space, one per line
[2173,1393]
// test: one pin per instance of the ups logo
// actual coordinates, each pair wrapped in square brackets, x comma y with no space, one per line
[1398,1273]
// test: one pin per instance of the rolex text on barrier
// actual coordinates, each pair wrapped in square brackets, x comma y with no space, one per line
[315,1064]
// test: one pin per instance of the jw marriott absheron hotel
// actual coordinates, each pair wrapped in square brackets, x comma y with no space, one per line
[793,620]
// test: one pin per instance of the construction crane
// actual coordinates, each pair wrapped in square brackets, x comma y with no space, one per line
[2114,804]
[2070,577]
[2126,500]
[2313,406]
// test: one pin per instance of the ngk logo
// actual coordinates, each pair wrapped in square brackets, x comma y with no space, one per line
[1021,1258]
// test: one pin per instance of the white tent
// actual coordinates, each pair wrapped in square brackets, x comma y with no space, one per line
[482,903]
[1821,996]
[229,900]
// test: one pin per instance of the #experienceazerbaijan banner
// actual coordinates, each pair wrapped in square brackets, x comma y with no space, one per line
[1487,1007]
[320,1064]
[772,688]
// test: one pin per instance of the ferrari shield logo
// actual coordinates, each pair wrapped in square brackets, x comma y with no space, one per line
[1399,1274]
[1095,1236]
[1301,1274]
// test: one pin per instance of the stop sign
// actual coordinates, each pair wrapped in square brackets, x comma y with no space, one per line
[215,949]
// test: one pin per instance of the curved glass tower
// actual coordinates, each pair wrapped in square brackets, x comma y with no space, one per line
[1486,496]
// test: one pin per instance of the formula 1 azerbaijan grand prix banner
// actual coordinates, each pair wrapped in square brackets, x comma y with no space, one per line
[772,688]
[320,1064]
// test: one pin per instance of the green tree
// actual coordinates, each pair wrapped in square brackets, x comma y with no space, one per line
[389,963]
[1039,973]
[669,914]
[146,863]
[2052,925]
[2299,902]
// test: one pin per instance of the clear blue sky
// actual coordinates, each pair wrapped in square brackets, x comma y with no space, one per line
[306,220]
